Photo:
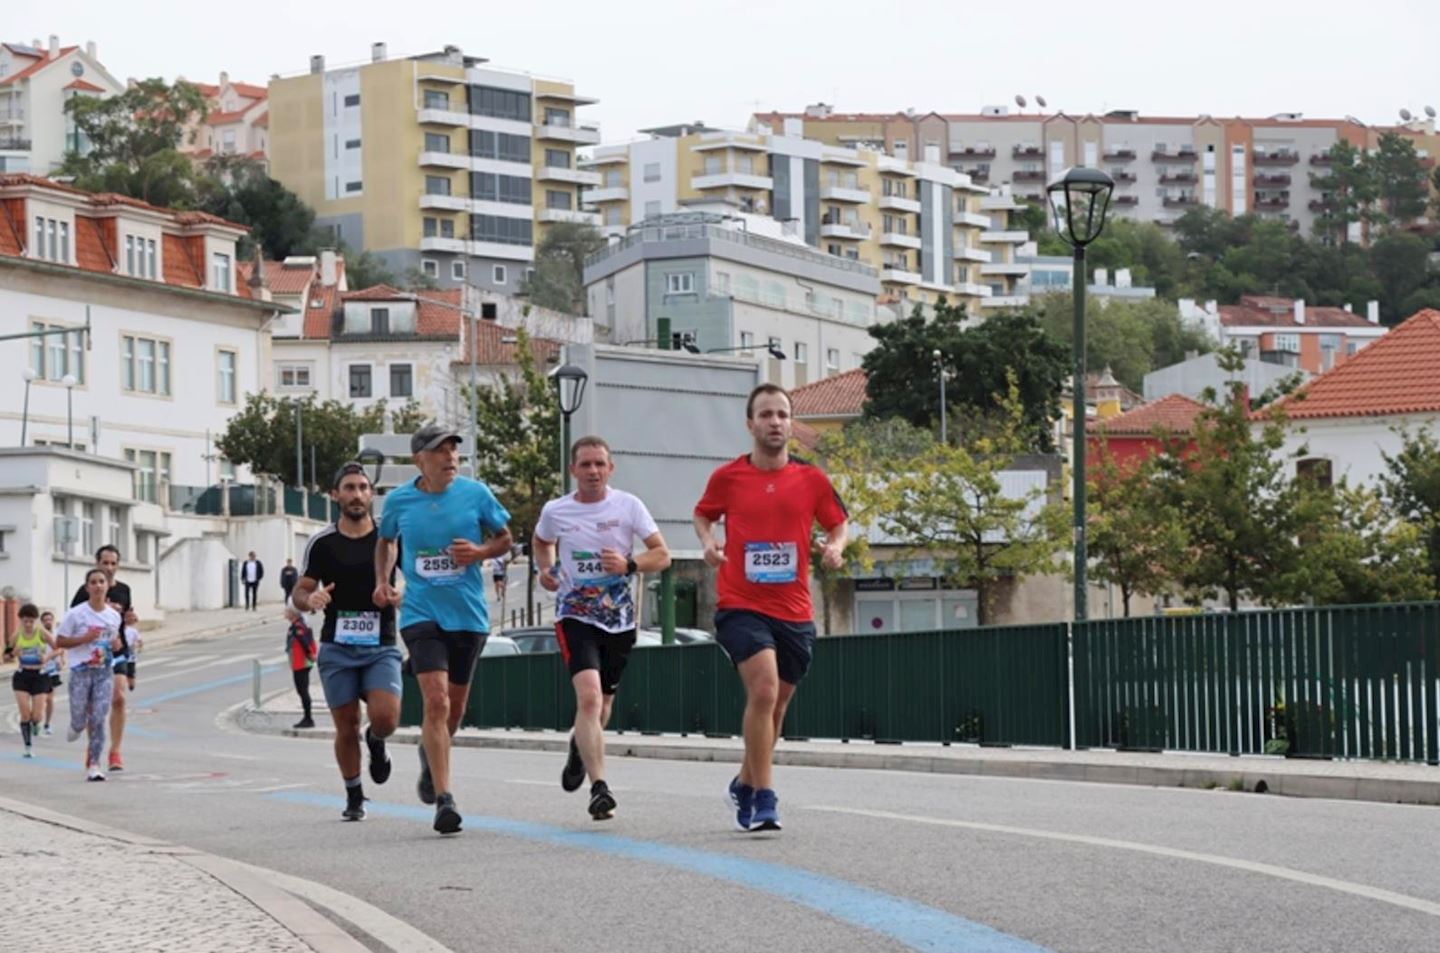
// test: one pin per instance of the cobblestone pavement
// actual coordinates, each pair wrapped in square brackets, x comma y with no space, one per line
[71,891]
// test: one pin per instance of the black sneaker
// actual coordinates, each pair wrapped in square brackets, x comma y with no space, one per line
[354,804]
[379,760]
[573,774]
[304,723]
[602,802]
[447,819]
[424,787]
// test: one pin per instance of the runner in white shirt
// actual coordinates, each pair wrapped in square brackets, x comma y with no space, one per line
[595,528]
[91,634]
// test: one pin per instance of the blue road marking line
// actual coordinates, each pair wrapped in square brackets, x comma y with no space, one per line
[147,700]
[909,922]
[40,761]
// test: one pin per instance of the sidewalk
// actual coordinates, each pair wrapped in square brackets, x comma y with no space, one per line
[174,898]
[181,626]
[1385,782]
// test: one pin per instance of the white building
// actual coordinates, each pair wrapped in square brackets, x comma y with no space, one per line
[728,288]
[35,83]
[238,123]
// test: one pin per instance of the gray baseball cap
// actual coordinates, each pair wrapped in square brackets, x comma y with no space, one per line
[431,436]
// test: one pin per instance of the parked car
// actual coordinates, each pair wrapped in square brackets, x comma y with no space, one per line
[683,636]
[499,645]
[534,639]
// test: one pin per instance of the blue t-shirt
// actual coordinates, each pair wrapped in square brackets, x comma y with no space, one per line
[436,589]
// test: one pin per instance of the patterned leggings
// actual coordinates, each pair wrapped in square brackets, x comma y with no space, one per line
[90,690]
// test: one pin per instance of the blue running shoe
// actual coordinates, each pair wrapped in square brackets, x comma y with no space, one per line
[767,814]
[741,798]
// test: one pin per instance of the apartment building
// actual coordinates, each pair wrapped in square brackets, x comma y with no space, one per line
[436,162]
[1163,166]
[237,123]
[1286,332]
[917,223]
[35,83]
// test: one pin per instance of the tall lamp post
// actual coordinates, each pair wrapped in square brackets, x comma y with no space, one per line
[770,349]
[1079,199]
[29,376]
[570,388]
[69,381]
[940,369]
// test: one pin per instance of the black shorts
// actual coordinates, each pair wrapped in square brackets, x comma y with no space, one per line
[31,681]
[584,646]
[55,681]
[124,668]
[433,649]
[742,633]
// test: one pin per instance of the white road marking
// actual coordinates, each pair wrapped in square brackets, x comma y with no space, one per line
[1254,867]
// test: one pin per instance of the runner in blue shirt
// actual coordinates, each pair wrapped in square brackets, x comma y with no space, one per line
[436,525]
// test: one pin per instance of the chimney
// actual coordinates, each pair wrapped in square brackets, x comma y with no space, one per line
[1122,277]
[1349,308]
[377,52]
[224,78]
[90,48]
[1299,310]
[794,126]
[259,287]
[1102,277]
[1372,312]
[328,268]
[54,46]
[317,64]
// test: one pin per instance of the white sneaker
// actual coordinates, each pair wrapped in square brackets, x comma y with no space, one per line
[71,734]
[48,731]
[29,753]
[95,774]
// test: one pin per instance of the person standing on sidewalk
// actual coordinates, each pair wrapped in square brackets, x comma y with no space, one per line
[300,650]
[436,526]
[124,682]
[358,657]
[288,577]
[252,570]
[90,633]
[764,620]
[595,529]
[51,669]
[31,647]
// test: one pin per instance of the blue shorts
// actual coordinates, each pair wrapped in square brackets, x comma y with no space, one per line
[349,671]
[742,633]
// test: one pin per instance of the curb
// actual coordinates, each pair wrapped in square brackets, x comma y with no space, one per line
[158,637]
[310,927]
[1249,774]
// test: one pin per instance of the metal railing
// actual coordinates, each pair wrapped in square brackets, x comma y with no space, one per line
[665,232]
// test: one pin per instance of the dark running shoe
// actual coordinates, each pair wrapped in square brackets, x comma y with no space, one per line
[424,787]
[447,819]
[573,774]
[354,804]
[379,759]
[602,802]
[767,811]
[306,722]
[741,799]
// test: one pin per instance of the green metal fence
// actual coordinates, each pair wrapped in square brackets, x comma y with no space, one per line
[999,685]
[1336,681]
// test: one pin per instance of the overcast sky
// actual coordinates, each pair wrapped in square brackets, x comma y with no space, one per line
[721,60]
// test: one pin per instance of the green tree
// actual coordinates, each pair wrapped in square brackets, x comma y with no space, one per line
[1153,258]
[1134,537]
[559,279]
[239,189]
[1354,552]
[134,140]
[366,270]
[1348,189]
[1410,487]
[1240,514]
[1398,180]
[903,375]
[262,435]
[1132,338]
[950,504]
[1400,263]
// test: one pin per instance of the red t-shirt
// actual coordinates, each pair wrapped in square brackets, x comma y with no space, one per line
[769,516]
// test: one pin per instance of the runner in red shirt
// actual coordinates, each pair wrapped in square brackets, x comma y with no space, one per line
[764,620]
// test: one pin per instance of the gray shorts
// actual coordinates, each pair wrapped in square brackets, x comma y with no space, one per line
[349,671]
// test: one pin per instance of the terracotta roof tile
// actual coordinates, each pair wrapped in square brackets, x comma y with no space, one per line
[497,347]
[262,122]
[319,312]
[180,268]
[805,435]
[220,119]
[12,213]
[286,279]
[250,90]
[841,395]
[208,90]
[1175,413]
[1260,311]
[37,66]
[84,87]
[92,252]
[1394,375]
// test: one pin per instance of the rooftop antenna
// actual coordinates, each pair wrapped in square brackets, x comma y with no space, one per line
[1430,111]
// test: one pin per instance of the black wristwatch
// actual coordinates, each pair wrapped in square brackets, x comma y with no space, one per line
[630,567]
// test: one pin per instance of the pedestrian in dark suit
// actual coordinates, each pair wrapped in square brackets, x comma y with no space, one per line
[288,577]
[252,571]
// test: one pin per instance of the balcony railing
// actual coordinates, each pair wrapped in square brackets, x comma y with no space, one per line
[1180,201]
[1275,157]
[1272,204]
[975,152]
[1125,200]
[1184,155]
[1123,177]
[19,145]
[1321,158]
[1028,175]
[1020,152]
[1177,177]
[1120,155]
[1319,205]
[1263,181]
[978,175]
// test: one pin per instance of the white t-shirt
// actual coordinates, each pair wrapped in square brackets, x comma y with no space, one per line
[587,592]
[132,643]
[83,620]
[252,569]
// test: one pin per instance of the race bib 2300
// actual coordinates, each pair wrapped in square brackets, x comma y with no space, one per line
[357,628]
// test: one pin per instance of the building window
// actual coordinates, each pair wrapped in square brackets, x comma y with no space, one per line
[353,99]
[359,380]
[87,527]
[130,255]
[52,240]
[557,117]
[500,188]
[652,172]
[614,215]
[557,159]
[290,376]
[485,144]
[498,275]
[145,365]
[220,271]
[430,267]
[501,229]
[747,342]
[226,384]
[402,382]
[714,164]
[227,142]
[652,209]
[152,262]
[437,185]
[379,320]
[152,472]
[1316,471]
[112,525]
[457,270]
[437,99]
[437,142]
[832,360]
[801,354]
[430,227]
[1289,343]
[353,186]
[447,228]
[55,355]
[722,282]
[556,198]
[680,283]
[500,103]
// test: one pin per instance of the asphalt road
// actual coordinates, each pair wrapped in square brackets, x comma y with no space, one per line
[869,860]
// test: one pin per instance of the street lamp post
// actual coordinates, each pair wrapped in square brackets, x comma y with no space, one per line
[940,369]
[570,388]
[29,376]
[1079,199]
[771,349]
[69,381]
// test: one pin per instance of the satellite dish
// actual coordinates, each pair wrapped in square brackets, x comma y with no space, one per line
[1405,114]
[1430,111]
[1020,101]
[1040,101]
